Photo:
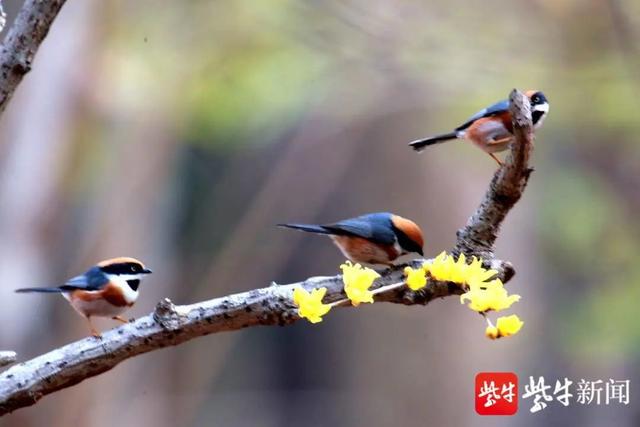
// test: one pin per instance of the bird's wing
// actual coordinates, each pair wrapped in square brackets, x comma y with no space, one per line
[494,109]
[92,280]
[374,227]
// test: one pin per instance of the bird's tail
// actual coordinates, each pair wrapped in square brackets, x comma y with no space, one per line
[420,144]
[55,290]
[307,227]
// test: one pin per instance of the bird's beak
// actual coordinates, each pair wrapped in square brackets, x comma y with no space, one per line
[420,252]
[146,271]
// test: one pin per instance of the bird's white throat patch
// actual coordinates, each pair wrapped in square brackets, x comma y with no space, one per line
[120,280]
[541,107]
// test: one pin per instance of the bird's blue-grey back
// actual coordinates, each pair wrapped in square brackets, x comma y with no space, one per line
[376,227]
[92,280]
[492,110]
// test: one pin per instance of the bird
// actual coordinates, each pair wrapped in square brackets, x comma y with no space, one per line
[374,238]
[107,289]
[491,128]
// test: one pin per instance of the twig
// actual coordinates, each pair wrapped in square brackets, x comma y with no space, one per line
[21,44]
[24,384]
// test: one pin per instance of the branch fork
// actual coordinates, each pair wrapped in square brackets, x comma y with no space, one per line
[25,383]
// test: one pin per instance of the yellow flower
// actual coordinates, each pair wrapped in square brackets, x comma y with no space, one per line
[416,279]
[458,269]
[446,269]
[440,268]
[509,325]
[476,273]
[310,305]
[357,281]
[505,327]
[488,296]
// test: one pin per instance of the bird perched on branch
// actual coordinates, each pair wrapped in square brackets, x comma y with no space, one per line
[376,238]
[491,128]
[105,290]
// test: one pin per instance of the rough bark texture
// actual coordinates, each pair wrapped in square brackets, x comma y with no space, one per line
[7,358]
[21,43]
[24,384]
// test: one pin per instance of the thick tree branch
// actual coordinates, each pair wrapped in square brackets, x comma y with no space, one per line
[21,44]
[24,384]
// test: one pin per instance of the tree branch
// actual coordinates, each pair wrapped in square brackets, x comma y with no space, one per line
[24,384]
[21,44]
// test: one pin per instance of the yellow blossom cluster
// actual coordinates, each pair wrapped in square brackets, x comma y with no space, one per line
[446,268]
[487,296]
[357,281]
[483,292]
[483,295]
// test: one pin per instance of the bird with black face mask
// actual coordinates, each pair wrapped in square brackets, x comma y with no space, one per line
[490,128]
[107,289]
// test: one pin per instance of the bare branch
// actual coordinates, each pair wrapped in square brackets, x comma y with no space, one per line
[169,325]
[7,358]
[24,384]
[21,44]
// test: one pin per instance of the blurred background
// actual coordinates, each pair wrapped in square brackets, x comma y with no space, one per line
[181,132]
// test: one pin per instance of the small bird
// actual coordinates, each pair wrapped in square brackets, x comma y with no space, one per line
[105,290]
[375,238]
[491,128]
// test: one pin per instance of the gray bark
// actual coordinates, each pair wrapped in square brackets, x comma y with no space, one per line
[22,42]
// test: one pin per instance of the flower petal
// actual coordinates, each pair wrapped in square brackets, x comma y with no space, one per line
[416,278]
[509,325]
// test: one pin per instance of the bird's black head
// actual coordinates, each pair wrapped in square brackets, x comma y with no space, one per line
[539,107]
[538,98]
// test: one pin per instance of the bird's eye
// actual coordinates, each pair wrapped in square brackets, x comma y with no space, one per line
[133,268]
